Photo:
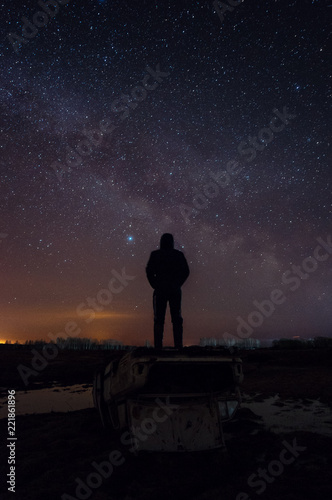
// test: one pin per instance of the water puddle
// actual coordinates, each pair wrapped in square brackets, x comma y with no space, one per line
[289,415]
[56,398]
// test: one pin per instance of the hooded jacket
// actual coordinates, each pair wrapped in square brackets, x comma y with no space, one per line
[167,268]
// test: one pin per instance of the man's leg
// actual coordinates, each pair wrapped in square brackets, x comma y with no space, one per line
[159,310]
[175,307]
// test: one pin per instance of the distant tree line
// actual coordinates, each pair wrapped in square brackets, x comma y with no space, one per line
[72,343]
[316,343]
[111,344]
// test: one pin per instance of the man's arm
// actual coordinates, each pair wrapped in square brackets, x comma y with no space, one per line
[150,271]
[184,269]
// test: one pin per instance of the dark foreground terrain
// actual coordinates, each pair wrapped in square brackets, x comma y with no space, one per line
[56,450]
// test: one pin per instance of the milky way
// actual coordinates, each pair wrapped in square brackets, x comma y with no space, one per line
[124,120]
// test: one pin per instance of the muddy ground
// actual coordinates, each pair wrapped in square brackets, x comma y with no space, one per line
[55,450]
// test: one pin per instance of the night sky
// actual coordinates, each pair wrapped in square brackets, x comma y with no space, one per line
[124,120]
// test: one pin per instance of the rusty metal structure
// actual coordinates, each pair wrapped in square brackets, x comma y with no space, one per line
[170,400]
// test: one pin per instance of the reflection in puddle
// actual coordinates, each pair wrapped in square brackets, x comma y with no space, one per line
[291,414]
[56,398]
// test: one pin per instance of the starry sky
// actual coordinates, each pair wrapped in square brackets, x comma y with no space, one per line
[122,120]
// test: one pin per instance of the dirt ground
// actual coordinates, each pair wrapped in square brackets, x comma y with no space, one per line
[55,451]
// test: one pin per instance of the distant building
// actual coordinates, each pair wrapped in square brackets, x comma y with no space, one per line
[249,343]
[111,344]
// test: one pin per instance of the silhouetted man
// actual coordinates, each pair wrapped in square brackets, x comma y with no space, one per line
[166,271]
